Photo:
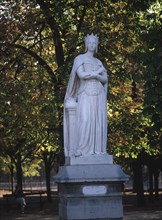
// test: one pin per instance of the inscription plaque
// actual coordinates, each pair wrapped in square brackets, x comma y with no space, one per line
[94,190]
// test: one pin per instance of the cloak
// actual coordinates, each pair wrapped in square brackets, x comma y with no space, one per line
[71,98]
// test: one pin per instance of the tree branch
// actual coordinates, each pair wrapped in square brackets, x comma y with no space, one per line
[55,31]
[39,59]
[81,18]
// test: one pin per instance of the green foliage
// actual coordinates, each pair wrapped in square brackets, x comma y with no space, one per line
[32,169]
[39,42]
[151,56]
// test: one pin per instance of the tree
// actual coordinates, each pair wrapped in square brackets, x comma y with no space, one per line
[38,46]
[151,56]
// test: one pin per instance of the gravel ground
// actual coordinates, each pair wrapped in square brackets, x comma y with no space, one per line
[50,210]
[134,215]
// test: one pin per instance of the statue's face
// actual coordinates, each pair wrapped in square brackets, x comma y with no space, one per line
[91,45]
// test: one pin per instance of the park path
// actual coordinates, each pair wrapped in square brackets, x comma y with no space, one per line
[133,215]
[50,210]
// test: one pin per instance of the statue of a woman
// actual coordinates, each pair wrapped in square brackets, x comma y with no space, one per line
[87,90]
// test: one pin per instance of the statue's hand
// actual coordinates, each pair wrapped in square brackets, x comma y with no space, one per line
[101,70]
[101,75]
[70,103]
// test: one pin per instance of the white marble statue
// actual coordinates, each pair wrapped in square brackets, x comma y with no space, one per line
[87,95]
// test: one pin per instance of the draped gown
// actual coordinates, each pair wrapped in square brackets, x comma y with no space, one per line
[91,112]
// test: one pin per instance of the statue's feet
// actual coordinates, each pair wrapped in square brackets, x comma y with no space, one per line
[78,153]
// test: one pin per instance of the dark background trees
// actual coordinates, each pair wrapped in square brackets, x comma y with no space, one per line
[39,40]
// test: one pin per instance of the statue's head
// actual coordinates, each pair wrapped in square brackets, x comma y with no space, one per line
[88,37]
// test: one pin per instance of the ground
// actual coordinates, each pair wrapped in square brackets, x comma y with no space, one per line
[49,211]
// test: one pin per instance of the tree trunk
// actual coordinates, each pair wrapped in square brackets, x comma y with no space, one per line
[150,184]
[48,178]
[156,182]
[19,170]
[12,177]
[138,182]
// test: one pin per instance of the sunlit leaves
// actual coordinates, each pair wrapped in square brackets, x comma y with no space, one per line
[151,20]
[36,71]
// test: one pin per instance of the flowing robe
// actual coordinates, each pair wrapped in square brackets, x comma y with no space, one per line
[90,98]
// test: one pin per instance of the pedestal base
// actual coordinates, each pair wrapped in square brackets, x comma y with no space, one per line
[90,192]
[94,159]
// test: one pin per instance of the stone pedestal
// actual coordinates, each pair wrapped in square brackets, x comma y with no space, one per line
[90,191]
[71,109]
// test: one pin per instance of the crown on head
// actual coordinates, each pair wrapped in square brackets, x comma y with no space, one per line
[91,36]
